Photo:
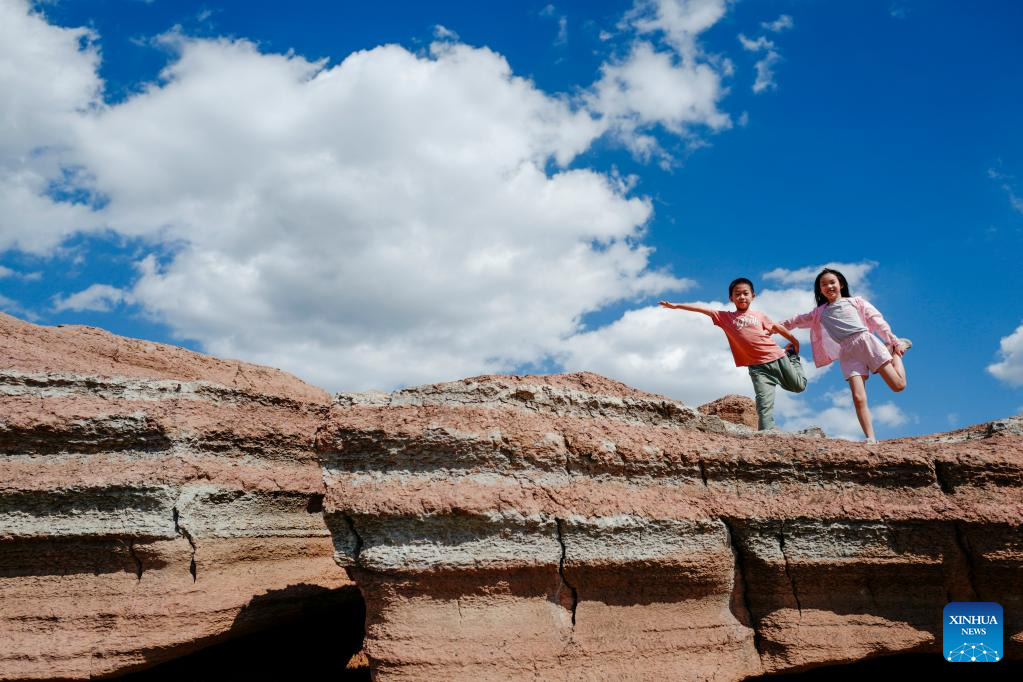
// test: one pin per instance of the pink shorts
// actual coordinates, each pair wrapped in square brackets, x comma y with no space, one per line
[861,354]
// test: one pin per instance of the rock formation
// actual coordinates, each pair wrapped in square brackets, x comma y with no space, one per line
[737,409]
[570,527]
[152,500]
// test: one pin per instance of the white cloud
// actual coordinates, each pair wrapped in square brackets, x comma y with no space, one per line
[444,33]
[772,56]
[665,78]
[671,352]
[9,305]
[838,419]
[679,21]
[551,11]
[889,414]
[392,219]
[1006,183]
[764,66]
[1009,367]
[97,297]
[15,274]
[651,87]
[48,78]
[760,44]
[778,25]
[855,274]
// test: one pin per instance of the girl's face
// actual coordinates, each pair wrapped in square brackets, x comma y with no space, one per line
[831,287]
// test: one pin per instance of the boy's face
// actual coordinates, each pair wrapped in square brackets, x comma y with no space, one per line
[742,296]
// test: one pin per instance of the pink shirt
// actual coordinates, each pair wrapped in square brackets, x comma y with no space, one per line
[825,348]
[749,335]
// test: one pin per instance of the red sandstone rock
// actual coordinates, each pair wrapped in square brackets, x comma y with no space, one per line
[570,528]
[737,409]
[152,501]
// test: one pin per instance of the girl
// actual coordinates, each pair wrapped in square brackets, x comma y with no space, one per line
[840,327]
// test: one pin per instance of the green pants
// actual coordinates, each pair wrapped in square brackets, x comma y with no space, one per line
[787,372]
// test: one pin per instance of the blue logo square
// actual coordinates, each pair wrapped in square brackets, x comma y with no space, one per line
[972,632]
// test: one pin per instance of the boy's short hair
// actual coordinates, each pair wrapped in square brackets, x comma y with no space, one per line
[736,282]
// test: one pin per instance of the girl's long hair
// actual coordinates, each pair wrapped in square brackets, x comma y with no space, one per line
[843,285]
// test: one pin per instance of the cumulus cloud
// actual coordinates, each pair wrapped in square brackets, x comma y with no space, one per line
[765,65]
[650,87]
[665,78]
[11,273]
[772,56]
[855,273]
[48,79]
[778,25]
[392,219]
[839,419]
[1009,367]
[9,305]
[552,12]
[441,32]
[97,297]
[679,21]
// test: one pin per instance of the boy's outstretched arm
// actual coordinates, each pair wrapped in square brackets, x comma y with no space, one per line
[778,329]
[690,307]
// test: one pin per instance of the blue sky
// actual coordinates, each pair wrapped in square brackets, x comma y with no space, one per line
[383,194]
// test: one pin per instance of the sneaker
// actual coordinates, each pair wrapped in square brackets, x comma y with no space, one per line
[871,441]
[907,343]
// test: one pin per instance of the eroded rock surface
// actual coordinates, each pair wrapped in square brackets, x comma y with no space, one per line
[152,500]
[570,527]
[737,409]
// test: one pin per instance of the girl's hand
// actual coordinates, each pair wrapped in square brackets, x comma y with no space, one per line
[897,349]
[665,304]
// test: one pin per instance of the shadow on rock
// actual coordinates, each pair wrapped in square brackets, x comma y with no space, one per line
[300,630]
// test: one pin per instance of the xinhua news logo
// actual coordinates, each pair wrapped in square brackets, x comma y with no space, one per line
[972,632]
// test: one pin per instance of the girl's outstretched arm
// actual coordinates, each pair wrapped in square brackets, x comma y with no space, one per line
[803,321]
[710,312]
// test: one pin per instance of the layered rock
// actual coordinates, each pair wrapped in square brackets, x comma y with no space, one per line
[737,409]
[152,500]
[569,527]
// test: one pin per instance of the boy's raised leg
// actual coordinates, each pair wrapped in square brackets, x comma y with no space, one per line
[792,376]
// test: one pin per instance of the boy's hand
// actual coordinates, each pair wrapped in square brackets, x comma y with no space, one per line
[665,304]
[792,348]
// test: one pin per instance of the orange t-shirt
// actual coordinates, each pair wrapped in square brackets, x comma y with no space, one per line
[749,336]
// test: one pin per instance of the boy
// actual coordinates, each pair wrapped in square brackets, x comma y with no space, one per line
[749,335]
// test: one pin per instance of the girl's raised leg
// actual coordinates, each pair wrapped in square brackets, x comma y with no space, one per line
[859,396]
[894,373]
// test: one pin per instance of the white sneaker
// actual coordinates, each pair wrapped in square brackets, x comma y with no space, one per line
[870,441]
[906,343]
